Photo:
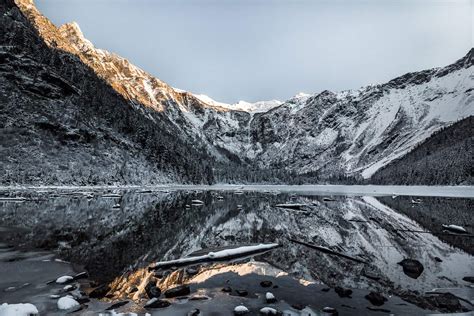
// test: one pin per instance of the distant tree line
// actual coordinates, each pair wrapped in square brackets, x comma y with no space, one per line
[446,158]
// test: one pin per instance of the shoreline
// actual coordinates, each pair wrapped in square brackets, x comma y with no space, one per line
[308,189]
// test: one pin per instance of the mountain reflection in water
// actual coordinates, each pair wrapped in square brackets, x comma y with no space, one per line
[110,235]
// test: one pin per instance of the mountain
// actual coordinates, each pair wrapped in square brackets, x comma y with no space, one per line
[64,120]
[255,107]
[76,114]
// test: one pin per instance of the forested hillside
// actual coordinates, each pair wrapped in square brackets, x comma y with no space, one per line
[445,158]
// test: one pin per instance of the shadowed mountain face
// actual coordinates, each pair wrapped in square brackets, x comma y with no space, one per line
[62,123]
[75,114]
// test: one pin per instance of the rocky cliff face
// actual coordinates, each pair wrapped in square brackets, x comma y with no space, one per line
[64,122]
[77,114]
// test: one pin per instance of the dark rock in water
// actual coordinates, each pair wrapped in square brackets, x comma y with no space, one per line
[157,303]
[82,300]
[383,310]
[266,283]
[376,298]
[469,279]
[227,289]
[180,290]
[194,312]
[82,275]
[69,288]
[330,311]
[241,292]
[298,306]
[158,275]
[152,290]
[348,306]
[275,286]
[446,302]
[132,289]
[116,305]
[326,289]
[199,298]
[438,259]
[342,292]
[411,267]
[191,271]
[100,291]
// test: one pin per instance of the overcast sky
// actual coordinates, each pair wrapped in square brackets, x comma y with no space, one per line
[256,50]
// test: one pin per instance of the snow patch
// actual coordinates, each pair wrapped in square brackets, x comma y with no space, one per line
[21,309]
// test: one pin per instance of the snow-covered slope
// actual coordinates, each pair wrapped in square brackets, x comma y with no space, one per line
[255,107]
[360,131]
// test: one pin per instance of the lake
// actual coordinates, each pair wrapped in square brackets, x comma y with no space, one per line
[116,233]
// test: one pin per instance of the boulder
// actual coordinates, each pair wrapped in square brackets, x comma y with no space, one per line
[100,291]
[376,299]
[446,302]
[152,290]
[411,267]
[342,292]
[241,292]
[181,290]
[157,303]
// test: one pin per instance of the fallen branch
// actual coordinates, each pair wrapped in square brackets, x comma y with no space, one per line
[432,233]
[327,251]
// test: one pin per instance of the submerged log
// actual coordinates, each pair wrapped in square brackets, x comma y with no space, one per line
[222,255]
[327,251]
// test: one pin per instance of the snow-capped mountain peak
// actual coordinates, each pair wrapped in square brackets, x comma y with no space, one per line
[255,107]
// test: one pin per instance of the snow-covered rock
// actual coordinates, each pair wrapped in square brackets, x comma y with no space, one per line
[67,302]
[21,309]
[241,310]
[64,279]
[270,298]
[268,311]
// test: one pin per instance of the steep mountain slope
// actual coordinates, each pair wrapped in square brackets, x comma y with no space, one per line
[61,123]
[358,132]
[447,157]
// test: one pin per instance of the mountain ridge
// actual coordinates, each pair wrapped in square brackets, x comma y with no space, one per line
[327,134]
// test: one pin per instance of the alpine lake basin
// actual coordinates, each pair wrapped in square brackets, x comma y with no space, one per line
[117,233]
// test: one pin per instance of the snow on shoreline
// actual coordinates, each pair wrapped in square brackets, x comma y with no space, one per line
[322,189]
